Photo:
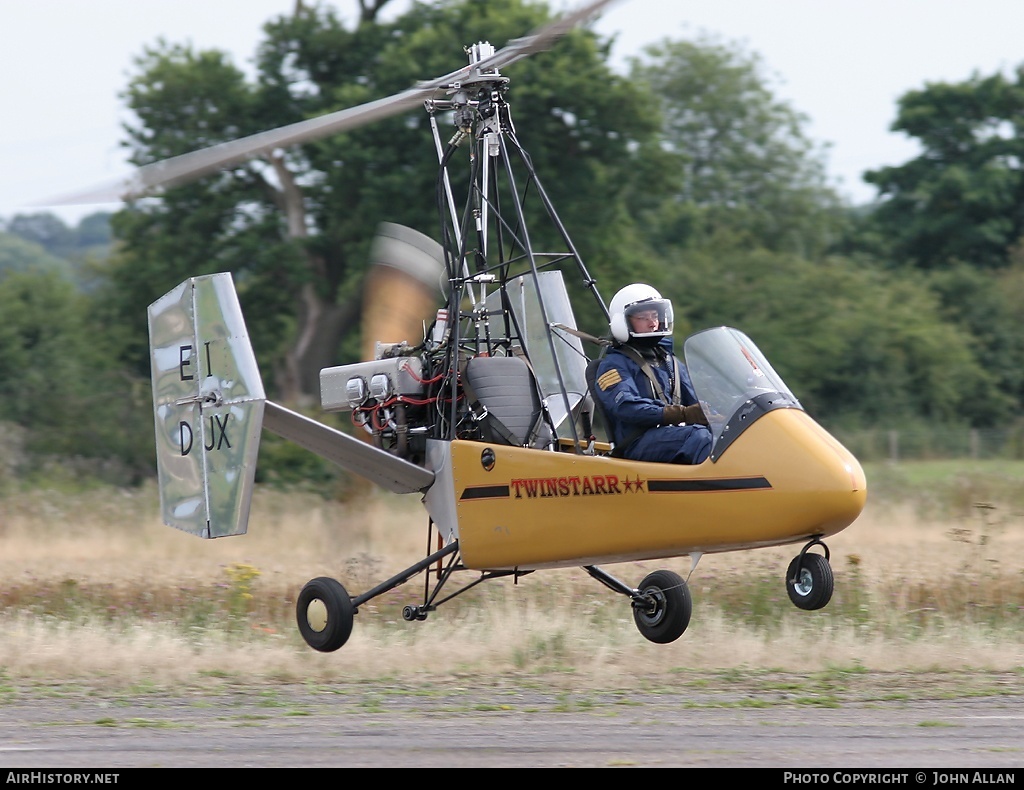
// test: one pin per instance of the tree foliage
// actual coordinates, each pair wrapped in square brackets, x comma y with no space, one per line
[690,175]
[955,211]
[984,307]
[745,235]
[19,255]
[962,198]
[858,345]
[747,174]
[44,241]
[296,229]
[63,385]
[44,229]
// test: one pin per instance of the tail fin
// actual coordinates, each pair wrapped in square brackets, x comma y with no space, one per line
[208,404]
[210,408]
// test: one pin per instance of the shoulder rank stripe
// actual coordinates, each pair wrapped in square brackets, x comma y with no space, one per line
[609,379]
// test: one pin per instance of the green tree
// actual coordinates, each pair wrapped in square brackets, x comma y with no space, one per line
[62,383]
[858,345]
[747,174]
[93,234]
[19,255]
[985,308]
[295,228]
[45,229]
[962,198]
[748,235]
[90,237]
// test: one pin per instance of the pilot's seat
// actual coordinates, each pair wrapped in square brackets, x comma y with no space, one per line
[506,389]
[591,375]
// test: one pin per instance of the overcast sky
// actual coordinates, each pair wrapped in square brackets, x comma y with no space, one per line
[843,63]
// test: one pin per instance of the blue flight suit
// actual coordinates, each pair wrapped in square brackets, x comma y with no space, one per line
[631,404]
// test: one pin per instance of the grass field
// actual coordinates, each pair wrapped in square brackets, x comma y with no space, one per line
[94,589]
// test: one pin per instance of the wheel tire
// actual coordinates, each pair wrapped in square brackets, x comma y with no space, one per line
[325,614]
[669,616]
[809,581]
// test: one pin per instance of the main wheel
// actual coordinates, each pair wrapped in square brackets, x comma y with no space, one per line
[325,614]
[667,614]
[809,581]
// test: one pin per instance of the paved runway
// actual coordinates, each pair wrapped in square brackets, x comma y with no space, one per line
[412,726]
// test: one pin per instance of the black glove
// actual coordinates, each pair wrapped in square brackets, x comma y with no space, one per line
[674,413]
[694,415]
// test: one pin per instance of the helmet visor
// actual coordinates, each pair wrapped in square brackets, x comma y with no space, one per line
[649,318]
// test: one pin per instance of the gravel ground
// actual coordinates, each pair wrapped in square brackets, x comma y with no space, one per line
[922,723]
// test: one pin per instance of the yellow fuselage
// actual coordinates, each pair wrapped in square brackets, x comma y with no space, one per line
[783,480]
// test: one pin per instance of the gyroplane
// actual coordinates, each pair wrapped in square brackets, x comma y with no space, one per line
[486,413]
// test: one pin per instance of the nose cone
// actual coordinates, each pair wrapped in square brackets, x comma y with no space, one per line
[826,472]
[819,486]
[841,487]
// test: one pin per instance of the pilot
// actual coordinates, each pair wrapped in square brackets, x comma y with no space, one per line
[644,391]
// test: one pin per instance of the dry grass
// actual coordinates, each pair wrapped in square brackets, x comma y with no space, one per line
[94,588]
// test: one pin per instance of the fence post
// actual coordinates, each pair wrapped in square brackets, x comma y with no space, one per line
[894,446]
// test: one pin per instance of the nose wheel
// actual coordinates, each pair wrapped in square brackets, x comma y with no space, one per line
[809,579]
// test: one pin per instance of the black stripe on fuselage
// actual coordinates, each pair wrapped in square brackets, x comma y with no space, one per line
[485,492]
[720,484]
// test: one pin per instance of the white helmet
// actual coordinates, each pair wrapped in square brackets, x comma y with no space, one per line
[638,298]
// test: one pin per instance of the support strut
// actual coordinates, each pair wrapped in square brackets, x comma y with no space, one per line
[616,585]
[814,541]
[405,575]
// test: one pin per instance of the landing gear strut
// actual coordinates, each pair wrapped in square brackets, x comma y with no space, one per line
[325,611]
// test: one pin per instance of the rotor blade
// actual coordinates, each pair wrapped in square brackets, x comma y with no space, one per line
[188,167]
[537,41]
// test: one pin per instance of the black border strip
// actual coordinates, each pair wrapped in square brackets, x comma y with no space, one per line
[720,484]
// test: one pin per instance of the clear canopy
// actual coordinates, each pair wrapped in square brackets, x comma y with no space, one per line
[730,377]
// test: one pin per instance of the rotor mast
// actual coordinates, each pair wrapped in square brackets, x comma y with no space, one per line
[474,99]
[473,102]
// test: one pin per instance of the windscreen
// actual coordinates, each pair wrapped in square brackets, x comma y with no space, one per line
[730,373]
